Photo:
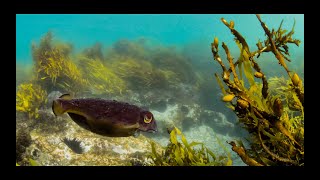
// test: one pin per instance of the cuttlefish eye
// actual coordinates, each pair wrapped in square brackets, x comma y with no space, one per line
[147,118]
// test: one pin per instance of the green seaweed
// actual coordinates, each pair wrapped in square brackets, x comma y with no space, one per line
[29,98]
[94,52]
[54,68]
[142,75]
[101,77]
[183,154]
[170,60]
[125,48]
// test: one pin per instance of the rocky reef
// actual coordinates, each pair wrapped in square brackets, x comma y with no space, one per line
[47,146]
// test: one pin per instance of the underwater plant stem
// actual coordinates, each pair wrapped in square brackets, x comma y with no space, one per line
[300,95]
[230,59]
[225,73]
[259,51]
[264,90]
[275,156]
[242,153]
[278,125]
[284,131]
[220,84]
[280,57]
[237,35]
[272,44]
[242,40]
[264,79]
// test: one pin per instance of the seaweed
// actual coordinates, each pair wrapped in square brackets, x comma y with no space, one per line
[65,48]
[148,67]
[142,75]
[94,52]
[184,154]
[171,60]
[129,49]
[29,98]
[54,68]
[270,109]
[101,78]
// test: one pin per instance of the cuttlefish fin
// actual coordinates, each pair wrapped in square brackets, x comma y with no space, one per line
[132,126]
[66,97]
[57,108]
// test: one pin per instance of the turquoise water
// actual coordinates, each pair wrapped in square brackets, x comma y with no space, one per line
[175,30]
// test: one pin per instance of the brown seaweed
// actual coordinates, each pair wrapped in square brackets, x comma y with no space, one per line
[265,111]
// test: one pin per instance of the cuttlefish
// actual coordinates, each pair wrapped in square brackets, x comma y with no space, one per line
[106,117]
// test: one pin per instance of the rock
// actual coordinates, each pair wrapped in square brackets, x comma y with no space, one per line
[216,142]
[186,116]
[160,106]
[52,96]
[46,115]
[49,123]
[192,117]
[166,118]
[217,121]
[23,141]
[48,149]
[184,109]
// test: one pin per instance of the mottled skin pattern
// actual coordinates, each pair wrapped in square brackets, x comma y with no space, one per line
[107,117]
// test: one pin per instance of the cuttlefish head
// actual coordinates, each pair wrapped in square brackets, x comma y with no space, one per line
[147,122]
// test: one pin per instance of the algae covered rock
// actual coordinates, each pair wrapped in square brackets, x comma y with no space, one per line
[23,141]
[49,149]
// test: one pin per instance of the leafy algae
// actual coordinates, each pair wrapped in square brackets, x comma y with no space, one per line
[182,153]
